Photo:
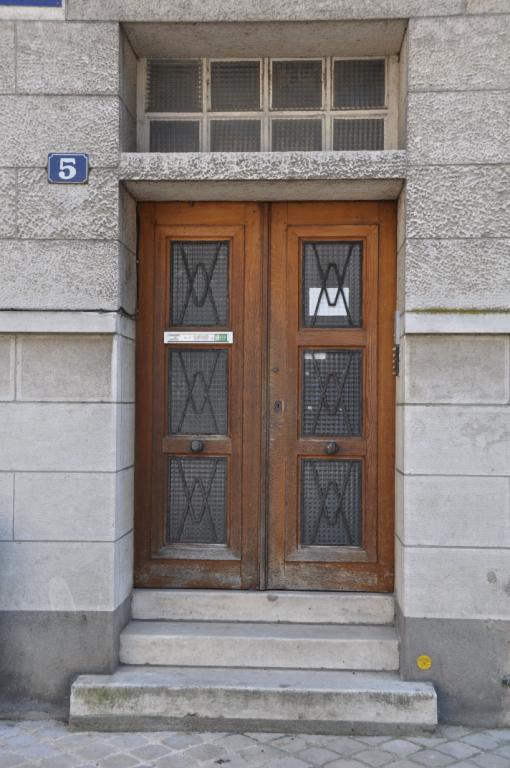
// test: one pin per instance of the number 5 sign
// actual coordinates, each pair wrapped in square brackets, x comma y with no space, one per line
[70,168]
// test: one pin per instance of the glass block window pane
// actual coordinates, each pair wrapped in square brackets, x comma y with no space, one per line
[199,283]
[297,135]
[174,136]
[331,503]
[198,391]
[174,86]
[332,392]
[297,85]
[358,134]
[332,284]
[235,136]
[358,84]
[197,491]
[235,86]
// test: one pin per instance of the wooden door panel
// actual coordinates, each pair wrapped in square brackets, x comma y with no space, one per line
[195,528]
[201,272]
[253,414]
[330,497]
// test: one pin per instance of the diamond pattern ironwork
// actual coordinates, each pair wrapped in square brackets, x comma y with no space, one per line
[200,283]
[197,491]
[332,403]
[198,392]
[332,284]
[331,503]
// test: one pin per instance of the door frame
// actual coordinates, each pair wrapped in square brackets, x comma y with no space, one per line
[368,213]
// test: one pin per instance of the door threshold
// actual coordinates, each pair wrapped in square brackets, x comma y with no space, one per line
[263,606]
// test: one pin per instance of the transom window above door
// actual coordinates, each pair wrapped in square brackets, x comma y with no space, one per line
[278,105]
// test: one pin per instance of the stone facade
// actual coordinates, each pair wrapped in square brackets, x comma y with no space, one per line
[454,418]
[68,302]
[66,382]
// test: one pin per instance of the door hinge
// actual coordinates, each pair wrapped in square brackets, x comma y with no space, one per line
[396,360]
[396,346]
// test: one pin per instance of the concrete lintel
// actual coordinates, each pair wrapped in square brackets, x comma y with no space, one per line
[264,175]
[162,191]
[263,166]
[456,322]
[19,321]
[376,37]
[260,10]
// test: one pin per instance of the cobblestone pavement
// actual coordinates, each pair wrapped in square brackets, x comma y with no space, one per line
[52,745]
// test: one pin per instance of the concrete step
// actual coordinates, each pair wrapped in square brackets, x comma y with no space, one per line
[283,646]
[299,607]
[141,698]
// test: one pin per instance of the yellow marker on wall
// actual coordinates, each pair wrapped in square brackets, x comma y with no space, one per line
[424,662]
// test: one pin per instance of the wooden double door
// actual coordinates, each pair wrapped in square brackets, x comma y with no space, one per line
[265,396]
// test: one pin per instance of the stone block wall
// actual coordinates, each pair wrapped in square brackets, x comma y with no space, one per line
[453,463]
[67,293]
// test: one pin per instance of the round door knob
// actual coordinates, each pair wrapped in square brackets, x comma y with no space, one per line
[197,446]
[331,448]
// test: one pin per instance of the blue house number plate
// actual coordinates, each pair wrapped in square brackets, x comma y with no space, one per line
[71,168]
[34,3]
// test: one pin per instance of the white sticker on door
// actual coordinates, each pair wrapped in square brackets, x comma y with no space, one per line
[327,304]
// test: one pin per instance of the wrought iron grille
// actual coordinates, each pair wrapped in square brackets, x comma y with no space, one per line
[197,490]
[332,284]
[332,387]
[331,503]
[199,277]
[198,391]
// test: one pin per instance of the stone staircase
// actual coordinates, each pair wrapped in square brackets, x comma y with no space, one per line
[271,661]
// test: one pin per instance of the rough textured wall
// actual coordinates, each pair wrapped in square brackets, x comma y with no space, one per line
[66,354]
[453,465]
[67,259]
